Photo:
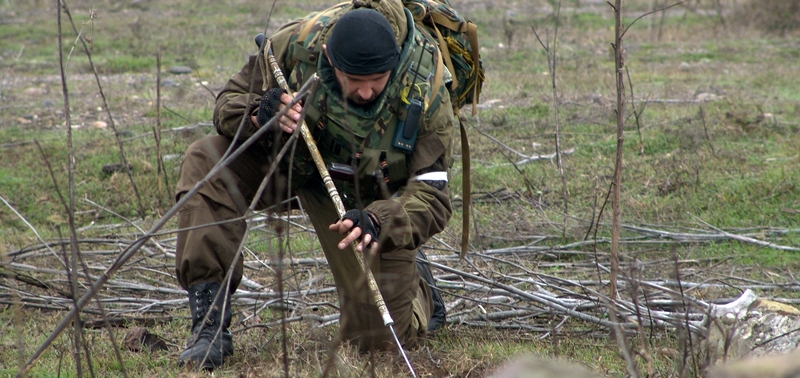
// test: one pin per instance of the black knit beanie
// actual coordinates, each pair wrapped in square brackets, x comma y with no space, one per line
[362,43]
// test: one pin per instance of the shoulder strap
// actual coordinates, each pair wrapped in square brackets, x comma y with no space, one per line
[446,54]
[473,42]
[440,19]
[438,75]
[307,25]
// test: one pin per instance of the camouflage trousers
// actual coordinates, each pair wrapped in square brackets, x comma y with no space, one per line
[207,247]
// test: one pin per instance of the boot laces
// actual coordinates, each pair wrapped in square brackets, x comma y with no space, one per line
[204,302]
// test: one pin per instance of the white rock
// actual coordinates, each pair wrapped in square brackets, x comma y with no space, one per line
[705,97]
[35,91]
[738,307]
[488,103]
[729,318]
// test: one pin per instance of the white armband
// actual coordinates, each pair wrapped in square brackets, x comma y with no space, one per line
[432,176]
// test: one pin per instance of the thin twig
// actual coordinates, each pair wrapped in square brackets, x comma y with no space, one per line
[635,113]
[702,115]
[111,121]
[552,59]
[161,171]
[73,242]
[616,215]
[644,15]
[131,250]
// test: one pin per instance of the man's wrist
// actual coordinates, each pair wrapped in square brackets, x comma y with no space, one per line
[375,222]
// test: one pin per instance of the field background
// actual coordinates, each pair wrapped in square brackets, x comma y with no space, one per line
[709,195]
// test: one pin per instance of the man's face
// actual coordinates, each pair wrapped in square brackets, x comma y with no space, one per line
[362,90]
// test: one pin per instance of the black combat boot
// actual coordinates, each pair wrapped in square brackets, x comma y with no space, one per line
[210,341]
[438,315]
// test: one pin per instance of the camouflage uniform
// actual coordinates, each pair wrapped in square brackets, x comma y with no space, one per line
[419,205]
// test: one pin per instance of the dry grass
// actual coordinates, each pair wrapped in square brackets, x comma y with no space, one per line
[773,16]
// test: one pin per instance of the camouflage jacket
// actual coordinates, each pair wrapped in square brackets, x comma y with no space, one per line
[418,203]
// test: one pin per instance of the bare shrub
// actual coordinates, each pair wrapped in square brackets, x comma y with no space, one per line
[773,16]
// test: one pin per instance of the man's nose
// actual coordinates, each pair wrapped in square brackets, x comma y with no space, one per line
[365,92]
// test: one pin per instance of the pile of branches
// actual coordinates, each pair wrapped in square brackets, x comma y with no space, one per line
[501,288]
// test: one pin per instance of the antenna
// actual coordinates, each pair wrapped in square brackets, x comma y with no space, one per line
[405,134]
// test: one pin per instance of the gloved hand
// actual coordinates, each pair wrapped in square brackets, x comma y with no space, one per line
[269,105]
[366,221]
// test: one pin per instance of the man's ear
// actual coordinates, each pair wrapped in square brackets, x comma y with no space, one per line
[325,51]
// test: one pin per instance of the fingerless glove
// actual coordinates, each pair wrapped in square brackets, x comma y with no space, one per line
[269,105]
[366,220]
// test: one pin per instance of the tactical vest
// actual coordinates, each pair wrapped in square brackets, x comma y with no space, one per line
[363,138]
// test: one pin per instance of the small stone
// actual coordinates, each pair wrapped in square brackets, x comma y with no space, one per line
[35,91]
[138,339]
[488,103]
[776,307]
[180,70]
[684,66]
[48,104]
[99,125]
[705,97]
[111,168]
[729,318]
[168,83]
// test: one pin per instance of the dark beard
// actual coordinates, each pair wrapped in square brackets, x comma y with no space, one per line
[362,105]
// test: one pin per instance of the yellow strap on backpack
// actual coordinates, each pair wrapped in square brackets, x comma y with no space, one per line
[473,42]
[446,53]
[441,19]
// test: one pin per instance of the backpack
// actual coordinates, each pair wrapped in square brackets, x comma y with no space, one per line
[458,42]
[457,39]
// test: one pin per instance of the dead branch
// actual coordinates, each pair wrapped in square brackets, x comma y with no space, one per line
[111,123]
